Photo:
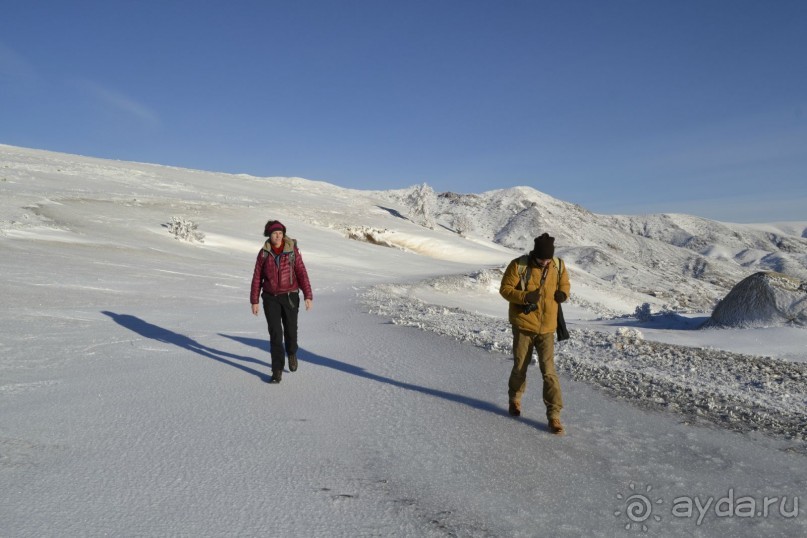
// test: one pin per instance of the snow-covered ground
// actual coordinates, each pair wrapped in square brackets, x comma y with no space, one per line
[132,373]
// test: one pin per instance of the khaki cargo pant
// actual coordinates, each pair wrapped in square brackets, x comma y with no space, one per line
[523,344]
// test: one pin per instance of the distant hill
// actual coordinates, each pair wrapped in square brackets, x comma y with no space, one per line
[683,262]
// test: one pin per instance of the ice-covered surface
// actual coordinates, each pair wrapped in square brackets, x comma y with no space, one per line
[742,392]
[132,373]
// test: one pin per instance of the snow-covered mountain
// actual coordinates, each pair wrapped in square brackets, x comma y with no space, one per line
[678,262]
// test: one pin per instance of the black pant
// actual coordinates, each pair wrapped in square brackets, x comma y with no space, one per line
[281,316]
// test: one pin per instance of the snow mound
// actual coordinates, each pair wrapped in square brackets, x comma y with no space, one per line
[764,299]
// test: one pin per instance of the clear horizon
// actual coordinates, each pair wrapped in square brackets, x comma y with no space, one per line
[628,107]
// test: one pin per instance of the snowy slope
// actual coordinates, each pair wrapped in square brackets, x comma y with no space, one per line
[132,372]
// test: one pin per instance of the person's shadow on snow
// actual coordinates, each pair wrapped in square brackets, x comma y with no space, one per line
[149,330]
[340,366]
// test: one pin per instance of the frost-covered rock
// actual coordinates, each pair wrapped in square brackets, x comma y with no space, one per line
[764,299]
[643,312]
[184,230]
[422,200]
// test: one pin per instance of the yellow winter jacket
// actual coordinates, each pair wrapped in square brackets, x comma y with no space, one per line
[545,319]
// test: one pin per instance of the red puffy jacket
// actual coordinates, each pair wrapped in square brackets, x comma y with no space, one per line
[275,275]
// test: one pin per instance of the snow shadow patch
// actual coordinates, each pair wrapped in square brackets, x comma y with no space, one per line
[393,212]
[167,336]
[351,369]
[662,321]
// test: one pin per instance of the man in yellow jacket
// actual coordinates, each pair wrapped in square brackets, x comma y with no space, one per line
[534,285]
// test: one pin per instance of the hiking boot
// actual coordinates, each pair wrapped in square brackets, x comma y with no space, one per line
[277,375]
[515,409]
[293,362]
[556,427]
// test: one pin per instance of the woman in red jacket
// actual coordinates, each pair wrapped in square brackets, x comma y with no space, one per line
[279,276]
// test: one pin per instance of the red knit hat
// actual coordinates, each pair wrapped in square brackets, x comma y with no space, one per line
[273,226]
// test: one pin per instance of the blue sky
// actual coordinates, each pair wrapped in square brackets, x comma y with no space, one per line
[621,106]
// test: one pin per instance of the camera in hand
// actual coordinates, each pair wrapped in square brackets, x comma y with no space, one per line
[530,307]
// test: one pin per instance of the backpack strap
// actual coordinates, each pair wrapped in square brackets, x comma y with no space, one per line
[293,254]
[521,270]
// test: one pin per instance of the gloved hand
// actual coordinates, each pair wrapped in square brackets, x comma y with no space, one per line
[532,297]
[560,296]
